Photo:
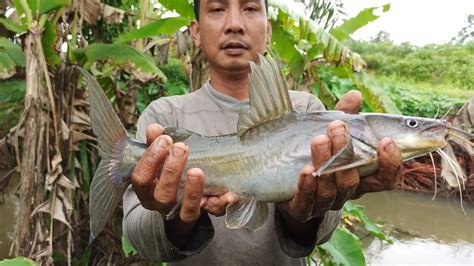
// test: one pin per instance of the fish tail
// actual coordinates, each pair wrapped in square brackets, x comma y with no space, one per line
[110,179]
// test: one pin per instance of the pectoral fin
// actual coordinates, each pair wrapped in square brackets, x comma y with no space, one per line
[248,213]
[351,156]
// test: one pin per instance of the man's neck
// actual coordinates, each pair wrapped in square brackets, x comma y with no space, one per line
[231,84]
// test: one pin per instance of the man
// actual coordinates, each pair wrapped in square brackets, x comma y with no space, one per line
[230,33]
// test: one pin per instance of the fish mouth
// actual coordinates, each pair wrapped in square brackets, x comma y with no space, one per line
[234,47]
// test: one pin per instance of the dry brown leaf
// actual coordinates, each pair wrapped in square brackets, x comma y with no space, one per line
[65,201]
[66,183]
[56,169]
[79,136]
[81,118]
[58,214]
[90,10]
[64,130]
[80,102]
[112,15]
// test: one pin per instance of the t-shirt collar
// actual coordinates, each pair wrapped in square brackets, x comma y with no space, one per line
[223,99]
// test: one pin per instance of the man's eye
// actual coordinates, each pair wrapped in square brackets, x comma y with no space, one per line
[251,9]
[217,10]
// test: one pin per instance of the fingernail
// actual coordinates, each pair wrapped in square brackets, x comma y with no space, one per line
[178,152]
[390,147]
[193,179]
[163,142]
[338,131]
[323,148]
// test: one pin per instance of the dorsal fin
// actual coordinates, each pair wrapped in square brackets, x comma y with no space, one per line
[268,94]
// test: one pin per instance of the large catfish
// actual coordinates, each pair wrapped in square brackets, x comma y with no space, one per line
[261,161]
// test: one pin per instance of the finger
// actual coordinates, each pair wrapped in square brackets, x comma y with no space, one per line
[153,131]
[168,184]
[192,195]
[144,173]
[217,205]
[320,150]
[390,159]
[338,135]
[347,182]
[325,195]
[302,204]
[350,102]
[389,173]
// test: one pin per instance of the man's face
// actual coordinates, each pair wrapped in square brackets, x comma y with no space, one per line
[232,32]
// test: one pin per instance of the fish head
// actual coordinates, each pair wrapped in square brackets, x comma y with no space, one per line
[414,136]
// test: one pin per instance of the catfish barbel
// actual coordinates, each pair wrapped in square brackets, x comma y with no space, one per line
[261,162]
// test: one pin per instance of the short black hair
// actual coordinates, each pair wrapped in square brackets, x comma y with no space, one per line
[196,8]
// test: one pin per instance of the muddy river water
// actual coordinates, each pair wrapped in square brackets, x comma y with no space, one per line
[424,231]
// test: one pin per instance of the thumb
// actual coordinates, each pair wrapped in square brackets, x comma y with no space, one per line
[350,102]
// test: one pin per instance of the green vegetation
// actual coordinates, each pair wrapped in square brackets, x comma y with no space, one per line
[422,81]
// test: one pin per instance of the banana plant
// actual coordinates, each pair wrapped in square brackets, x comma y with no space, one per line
[308,49]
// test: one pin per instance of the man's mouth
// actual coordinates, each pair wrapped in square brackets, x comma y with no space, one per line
[234,47]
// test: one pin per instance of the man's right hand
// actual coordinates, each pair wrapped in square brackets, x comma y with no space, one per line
[156,179]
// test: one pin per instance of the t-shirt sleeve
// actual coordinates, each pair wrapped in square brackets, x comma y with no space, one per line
[145,229]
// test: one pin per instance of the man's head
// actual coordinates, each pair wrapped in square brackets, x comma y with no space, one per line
[231,32]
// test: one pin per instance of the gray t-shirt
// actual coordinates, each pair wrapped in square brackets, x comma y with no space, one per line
[209,112]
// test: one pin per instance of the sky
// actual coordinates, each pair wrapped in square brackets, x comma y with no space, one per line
[418,22]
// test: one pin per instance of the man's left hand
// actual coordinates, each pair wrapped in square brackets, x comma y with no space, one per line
[317,195]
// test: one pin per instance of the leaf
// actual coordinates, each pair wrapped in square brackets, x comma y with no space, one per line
[45,6]
[58,210]
[371,226]
[12,91]
[345,248]
[48,41]
[321,42]
[127,248]
[182,7]
[122,54]
[13,51]
[284,45]
[7,66]
[353,24]
[377,100]
[12,26]
[18,261]
[90,10]
[164,26]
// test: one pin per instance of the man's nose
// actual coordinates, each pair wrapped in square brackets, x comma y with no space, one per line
[234,21]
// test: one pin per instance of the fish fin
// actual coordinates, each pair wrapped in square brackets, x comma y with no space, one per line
[268,94]
[104,197]
[105,123]
[111,177]
[248,213]
[350,156]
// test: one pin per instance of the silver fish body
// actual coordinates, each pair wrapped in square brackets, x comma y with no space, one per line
[261,162]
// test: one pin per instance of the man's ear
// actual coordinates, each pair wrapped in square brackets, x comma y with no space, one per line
[195,33]
[269,32]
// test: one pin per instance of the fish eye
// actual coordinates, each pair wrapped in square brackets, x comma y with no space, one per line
[412,123]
